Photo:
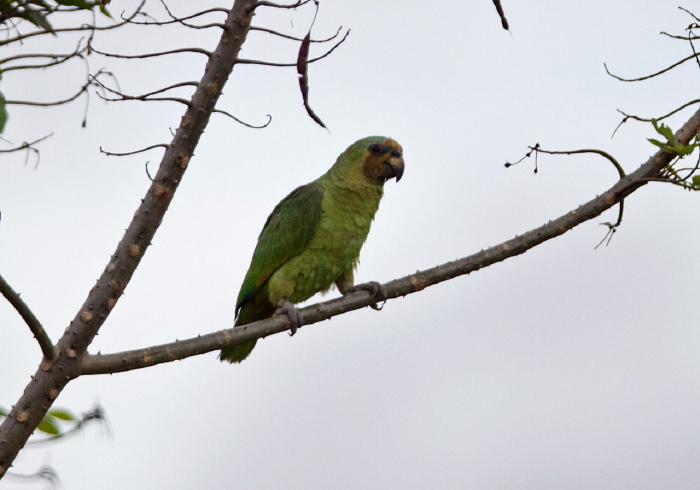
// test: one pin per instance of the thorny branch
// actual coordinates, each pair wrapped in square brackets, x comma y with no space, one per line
[52,376]
[141,358]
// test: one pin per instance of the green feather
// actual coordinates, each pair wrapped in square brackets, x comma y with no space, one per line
[310,240]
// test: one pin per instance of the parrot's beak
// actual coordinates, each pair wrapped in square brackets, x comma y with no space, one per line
[393,167]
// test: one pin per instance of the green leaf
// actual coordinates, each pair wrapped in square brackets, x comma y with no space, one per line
[696,181]
[3,412]
[684,150]
[664,131]
[3,112]
[62,414]
[48,426]
[658,143]
[37,18]
[81,4]
[104,10]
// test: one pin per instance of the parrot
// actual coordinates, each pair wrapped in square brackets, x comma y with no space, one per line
[312,238]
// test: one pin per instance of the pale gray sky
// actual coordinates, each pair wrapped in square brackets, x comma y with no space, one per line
[566,367]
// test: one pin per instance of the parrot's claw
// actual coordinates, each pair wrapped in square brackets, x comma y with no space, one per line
[292,313]
[375,289]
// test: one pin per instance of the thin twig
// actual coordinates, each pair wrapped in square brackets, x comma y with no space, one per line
[692,56]
[26,145]
[643,119]
[181,20]
[279,6]
[82,90]
[287,36]
[602,153]
[142,150]
[269,119]
[47,347]
[152,55]
[267,63]
[85,27]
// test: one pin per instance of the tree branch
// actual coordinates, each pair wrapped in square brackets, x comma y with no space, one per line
[32,321]
[84,27]
[141,358]
[51,377]
[668,68]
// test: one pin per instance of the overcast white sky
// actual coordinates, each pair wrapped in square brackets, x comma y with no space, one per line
[566,367]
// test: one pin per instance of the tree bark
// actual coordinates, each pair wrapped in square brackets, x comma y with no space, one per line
[52,376]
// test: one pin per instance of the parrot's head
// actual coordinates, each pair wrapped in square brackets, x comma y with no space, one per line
[375,160]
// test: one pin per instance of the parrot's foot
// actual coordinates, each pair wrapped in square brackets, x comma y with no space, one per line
[292,313]
[375,289]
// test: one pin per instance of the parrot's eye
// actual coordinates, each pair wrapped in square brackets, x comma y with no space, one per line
[375,148]
[396,154]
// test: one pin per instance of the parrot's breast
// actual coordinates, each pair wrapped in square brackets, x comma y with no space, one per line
[333,249]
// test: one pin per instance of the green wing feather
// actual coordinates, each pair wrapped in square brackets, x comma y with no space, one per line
[287,231]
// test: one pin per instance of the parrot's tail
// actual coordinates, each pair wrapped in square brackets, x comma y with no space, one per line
[237,353]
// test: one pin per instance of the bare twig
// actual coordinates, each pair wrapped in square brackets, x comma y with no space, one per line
[668,68]
[45,473]
[660,118]
[47,347]
[142,150]
[287,36]
[608,156]
[181,20]
[269,119]
[267,63]
[27,145]
[80,92]
[279,6]
[152,55]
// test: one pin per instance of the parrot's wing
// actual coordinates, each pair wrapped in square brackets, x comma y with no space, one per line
[287,231]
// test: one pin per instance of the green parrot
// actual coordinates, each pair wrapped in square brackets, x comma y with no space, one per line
[312,239]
